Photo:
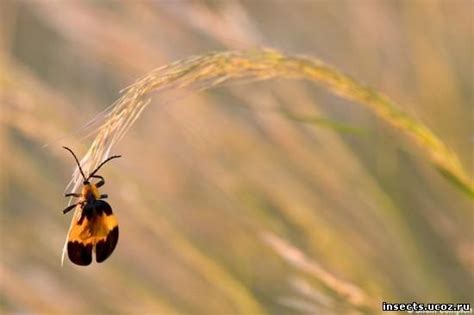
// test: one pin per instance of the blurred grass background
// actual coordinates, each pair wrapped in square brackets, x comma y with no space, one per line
[226,204]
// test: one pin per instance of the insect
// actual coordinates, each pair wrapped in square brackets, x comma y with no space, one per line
[95,227]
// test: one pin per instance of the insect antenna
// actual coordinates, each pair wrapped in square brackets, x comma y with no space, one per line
[102,164]
[77,161]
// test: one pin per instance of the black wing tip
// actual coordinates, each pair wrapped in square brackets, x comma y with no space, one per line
[79,253]
[105,248]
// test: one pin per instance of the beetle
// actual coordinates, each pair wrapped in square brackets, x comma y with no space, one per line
[94,227]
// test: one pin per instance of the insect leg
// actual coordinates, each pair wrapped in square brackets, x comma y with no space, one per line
[101,181]
[72,195]
[103,196]
[69,208]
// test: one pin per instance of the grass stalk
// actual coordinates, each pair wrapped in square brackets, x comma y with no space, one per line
[213,69]
[345,290]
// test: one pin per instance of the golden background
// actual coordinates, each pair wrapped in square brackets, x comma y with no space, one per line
[225,204]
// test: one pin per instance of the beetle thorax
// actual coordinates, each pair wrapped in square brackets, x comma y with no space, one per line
[90,192]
